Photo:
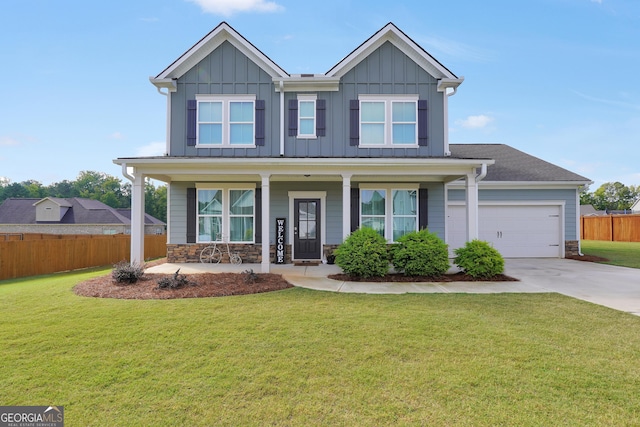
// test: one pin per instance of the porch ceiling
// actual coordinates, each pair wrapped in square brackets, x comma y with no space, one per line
[168,169]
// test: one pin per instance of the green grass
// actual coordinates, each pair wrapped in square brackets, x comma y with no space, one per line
[624,254]
[300,357]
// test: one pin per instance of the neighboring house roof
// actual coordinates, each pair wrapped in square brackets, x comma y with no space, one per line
[81,211]
[635,208]
[589,210]
[513,165]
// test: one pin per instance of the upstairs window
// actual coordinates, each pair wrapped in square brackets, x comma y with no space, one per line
[307,117]
[226,120]
[388,121]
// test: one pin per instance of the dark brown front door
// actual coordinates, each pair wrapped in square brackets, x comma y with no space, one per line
[306,229]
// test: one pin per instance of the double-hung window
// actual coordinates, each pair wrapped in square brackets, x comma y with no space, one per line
[388,120]
[392,212]
[306,116]
[226,120]
[225,213]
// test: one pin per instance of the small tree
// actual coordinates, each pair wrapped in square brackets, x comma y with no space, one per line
[364,253]
[479,259]
[420,253]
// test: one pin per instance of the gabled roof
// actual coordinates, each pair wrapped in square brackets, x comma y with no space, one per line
[392,34]
[223,32]
[513,165]
[81,211]
[58,201]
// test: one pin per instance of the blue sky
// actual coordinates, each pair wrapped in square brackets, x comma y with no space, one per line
[558,79]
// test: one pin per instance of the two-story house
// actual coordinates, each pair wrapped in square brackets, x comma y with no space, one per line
[280,164]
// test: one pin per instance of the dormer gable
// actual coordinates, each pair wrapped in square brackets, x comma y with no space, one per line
[51,209]
[392,34]
[223,32]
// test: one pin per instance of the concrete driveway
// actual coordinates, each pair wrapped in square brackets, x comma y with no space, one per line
[610,286]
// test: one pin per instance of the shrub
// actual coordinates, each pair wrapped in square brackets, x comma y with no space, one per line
[364,253]
[176,281]
[479,259]
[420,253]
[249,276]
[127,273]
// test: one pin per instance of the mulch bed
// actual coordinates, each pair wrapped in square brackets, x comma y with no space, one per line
[457,277]
[201,286]
[588,258]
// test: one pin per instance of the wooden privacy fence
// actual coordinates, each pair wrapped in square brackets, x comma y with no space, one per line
[47,253]
[612,228]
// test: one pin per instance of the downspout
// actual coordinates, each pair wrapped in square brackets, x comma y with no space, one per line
[447,94]
[483,173]
[281,118]
[167,93]
[126,173]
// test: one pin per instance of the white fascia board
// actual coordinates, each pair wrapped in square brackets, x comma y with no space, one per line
[169,84]
[519,185]
[410,48]
[220,34]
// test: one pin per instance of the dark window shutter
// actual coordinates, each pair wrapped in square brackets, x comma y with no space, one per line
[423,213]
[293,117]
[422,122]
[355,209]
[192,218]
[260,122]
[321,117]
[258,216]
[354,122]
[192,121]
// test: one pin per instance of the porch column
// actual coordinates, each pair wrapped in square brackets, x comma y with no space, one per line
[266,244]
[472,207]
[137,220]
[346,205]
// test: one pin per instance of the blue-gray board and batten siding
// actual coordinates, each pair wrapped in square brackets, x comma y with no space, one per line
[386,71]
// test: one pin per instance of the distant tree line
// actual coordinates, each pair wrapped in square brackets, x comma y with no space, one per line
[611,196]
[90,185]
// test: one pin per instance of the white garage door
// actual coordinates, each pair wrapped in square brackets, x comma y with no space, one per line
[516,231]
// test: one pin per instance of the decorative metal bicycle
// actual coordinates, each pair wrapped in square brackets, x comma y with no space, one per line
[212,253]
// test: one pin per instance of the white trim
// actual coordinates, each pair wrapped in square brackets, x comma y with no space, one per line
[322,195]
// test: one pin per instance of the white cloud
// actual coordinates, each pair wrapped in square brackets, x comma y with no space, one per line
[6,141]
[475,122]
[229,7]
[116,135]
[152,149]
[596,1]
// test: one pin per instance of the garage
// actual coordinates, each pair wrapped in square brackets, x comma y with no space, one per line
[515,230]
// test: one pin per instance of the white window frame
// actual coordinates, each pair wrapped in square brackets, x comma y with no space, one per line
[388,101]
[226,215]
[307,98]
[226,101]
[388,211]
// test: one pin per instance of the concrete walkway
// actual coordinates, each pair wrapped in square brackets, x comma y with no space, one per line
[610,286]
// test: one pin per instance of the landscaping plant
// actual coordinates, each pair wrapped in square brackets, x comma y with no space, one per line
[176,281]
[364,253]
[127,273]
[479,259]
[420,253]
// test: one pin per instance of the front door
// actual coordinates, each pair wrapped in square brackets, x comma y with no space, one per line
[306,229]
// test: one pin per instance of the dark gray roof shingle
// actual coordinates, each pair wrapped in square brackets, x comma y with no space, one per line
[514,165]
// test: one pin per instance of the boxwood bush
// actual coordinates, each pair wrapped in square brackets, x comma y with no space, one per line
[364,253]
[479,259]
[420,253]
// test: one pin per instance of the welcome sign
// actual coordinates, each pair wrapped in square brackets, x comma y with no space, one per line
[280,240]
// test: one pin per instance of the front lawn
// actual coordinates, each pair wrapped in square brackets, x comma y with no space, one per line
[300,357]
[625,254]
